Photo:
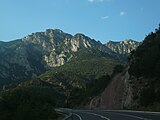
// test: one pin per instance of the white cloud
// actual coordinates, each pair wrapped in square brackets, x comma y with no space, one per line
[122,13]
[91,0]
[96,1]
[104,17]
[100,1]
[109,0]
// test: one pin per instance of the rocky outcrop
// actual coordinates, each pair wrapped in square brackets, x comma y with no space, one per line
[57,47]
[123,48]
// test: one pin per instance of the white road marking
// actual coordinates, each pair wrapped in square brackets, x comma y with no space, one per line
[133,116]
[103,117]
[131,111]
[78,116]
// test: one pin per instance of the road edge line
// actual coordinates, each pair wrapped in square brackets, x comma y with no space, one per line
[133,111]
[133,116]
[98,115]
[77,116]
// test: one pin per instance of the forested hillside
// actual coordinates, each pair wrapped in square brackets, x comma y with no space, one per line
[145,72]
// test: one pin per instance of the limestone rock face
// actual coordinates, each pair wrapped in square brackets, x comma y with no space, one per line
[123,47]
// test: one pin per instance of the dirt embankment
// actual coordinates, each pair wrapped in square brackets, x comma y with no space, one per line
[114,95]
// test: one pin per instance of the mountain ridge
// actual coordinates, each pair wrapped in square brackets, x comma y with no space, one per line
[26,58]
[34,54]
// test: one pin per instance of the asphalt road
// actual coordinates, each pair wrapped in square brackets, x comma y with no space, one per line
[112,115]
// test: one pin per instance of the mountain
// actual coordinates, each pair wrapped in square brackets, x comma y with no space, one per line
[123,48]
[26,58]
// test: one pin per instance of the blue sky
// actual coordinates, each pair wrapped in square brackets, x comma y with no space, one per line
[99,19]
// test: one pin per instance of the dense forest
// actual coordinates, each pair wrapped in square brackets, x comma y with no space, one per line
[27,103]
[145,66]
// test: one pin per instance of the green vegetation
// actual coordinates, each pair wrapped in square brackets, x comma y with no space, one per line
[81,78]
[145,66]
[145,61]
[118,69]
[89,53]
[83,69]
[70,85]
[28,103]
[80,97]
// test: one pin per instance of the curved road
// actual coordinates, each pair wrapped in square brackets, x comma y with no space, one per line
[111,115]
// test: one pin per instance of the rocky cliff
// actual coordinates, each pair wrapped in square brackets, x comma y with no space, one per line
[123,48]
